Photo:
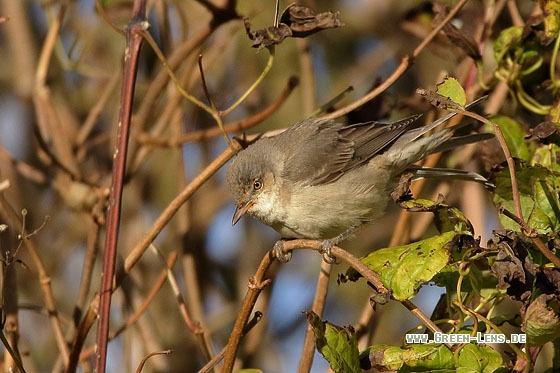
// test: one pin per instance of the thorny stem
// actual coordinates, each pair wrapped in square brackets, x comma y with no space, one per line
[133,42]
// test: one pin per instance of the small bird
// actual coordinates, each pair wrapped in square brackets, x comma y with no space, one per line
[321,179]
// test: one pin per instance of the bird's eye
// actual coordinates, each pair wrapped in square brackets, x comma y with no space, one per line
[257,184]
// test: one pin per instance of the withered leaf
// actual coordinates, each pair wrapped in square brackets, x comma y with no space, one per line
[546,132]
[513,268]
[303,21]
[295,21]
[268,36]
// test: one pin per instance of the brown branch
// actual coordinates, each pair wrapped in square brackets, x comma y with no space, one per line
[49,124]
[307,76]
[255,286]
[421,316]
[73,333]
[308,350]
[257,317]
[99,7]
[9,304]
[15,222]
[85,326]
[150,355]
[93,115]
[536,240]
[446,103]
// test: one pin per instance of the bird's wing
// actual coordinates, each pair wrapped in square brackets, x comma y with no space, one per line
[325,150]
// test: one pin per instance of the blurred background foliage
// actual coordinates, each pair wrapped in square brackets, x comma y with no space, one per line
[58,118]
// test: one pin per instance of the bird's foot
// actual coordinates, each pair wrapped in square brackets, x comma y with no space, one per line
[324,248]
[282,255]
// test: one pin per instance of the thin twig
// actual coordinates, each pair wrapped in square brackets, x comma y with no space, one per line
[179,55]
[44,279]
[93,115]
[175,289]
[148,37]
[238,126]
[139,311]
[399,71]
[174,206]
[150,355]
[421,316]
[99,7]
[215,112]
[307,76]
[78,342]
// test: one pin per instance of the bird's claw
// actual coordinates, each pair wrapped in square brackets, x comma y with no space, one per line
[325,249]
[282,255]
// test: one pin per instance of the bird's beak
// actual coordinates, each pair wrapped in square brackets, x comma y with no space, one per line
[241,210]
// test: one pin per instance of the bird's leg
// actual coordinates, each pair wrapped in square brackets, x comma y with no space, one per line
[282,255]
[326,245]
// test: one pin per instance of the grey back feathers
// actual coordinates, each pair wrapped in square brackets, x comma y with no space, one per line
[318,151]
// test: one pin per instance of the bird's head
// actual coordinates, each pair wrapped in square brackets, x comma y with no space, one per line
[250,179]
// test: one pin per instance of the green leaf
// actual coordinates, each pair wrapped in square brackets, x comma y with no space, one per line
[446,219]
[539,190]
[473,358]
[508,40]
[547,156]
[338,345]
[412,358]
[452,89]
[515,137]
[551,14]
[542,322]
[403,269]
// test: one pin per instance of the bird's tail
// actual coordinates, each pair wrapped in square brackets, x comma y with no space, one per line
[412,146]
[420,172]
